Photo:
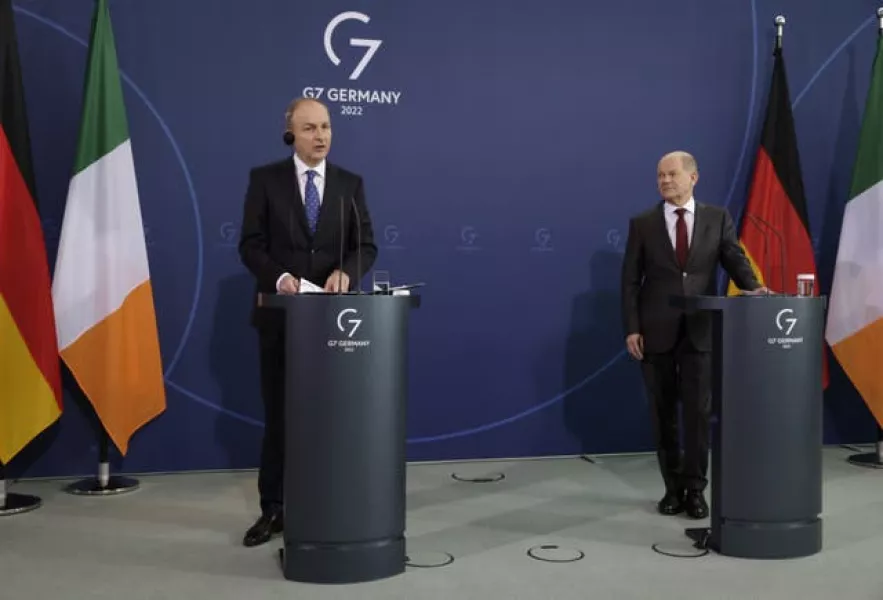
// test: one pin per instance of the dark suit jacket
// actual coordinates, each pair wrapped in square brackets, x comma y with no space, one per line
[650,275]
[276,239]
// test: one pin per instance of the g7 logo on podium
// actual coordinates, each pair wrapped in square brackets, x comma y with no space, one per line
[790,322]
[785,322]
[354,323]
[371,45]
[348,323]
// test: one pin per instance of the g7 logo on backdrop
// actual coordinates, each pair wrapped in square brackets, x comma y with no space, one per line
[371,45]
[391,235]
[468,239]
[468,235]
[354,102]
[543,239]
[228,233]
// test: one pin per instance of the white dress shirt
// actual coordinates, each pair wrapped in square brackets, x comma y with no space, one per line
[301,169]
[671,221]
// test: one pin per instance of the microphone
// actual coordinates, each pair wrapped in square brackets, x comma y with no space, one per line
[756,220]
[358,242]
[342,235]
[288,138]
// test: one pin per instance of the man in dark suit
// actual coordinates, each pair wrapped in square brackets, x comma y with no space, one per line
[296,212]
[674,249]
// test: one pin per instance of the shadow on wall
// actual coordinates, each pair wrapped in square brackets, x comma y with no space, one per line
[233,363]
[595,337]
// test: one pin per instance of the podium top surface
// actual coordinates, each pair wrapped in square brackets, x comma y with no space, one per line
[285,300]
[700,302]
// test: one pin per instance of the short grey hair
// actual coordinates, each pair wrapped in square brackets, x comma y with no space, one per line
[293,106]
[688,161]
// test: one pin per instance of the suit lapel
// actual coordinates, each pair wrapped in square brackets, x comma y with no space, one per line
[329,213]
[661,229]
[700,231]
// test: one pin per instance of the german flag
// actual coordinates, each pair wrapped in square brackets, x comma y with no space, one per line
[775,226]
[30,380]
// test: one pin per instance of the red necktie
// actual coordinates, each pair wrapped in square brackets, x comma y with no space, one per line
[681,244]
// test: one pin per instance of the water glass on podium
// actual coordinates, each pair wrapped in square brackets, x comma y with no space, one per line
[806,284]
[380,282]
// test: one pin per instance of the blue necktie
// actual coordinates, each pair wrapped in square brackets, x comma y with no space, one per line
[311,200]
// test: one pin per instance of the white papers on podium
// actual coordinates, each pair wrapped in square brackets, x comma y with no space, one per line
[395,291]
[308,287]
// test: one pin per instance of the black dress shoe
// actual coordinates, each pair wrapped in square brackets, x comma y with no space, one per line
[264,529]
[694,504]
[671,503]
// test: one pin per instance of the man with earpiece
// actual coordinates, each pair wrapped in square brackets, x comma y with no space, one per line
[299,212]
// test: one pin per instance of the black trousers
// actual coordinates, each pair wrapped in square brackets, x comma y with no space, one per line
[681,374]
[271,473]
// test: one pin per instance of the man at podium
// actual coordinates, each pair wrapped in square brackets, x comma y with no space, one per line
[304,218]
[673,249]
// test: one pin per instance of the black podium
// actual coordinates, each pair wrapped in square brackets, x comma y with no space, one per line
[346,390]
[766,430]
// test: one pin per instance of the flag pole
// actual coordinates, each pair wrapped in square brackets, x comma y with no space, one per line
[15,504]
[104,484]
[780,29]
[872,460]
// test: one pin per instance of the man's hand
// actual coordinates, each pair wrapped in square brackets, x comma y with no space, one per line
[338,281]
[635,345]
[761,291]
[288,285]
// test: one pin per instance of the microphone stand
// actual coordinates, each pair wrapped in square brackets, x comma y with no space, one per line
[340,261]
[766,247]
[358,243]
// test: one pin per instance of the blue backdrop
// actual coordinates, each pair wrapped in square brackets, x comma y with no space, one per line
[504,145]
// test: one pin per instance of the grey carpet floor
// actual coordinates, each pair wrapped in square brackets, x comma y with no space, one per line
[178,536]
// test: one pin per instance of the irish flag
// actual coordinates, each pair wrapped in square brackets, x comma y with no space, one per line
[855,313]
[103,299]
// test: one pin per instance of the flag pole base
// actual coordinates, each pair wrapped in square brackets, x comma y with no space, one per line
[92,487]
[17,504]
[870,460]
